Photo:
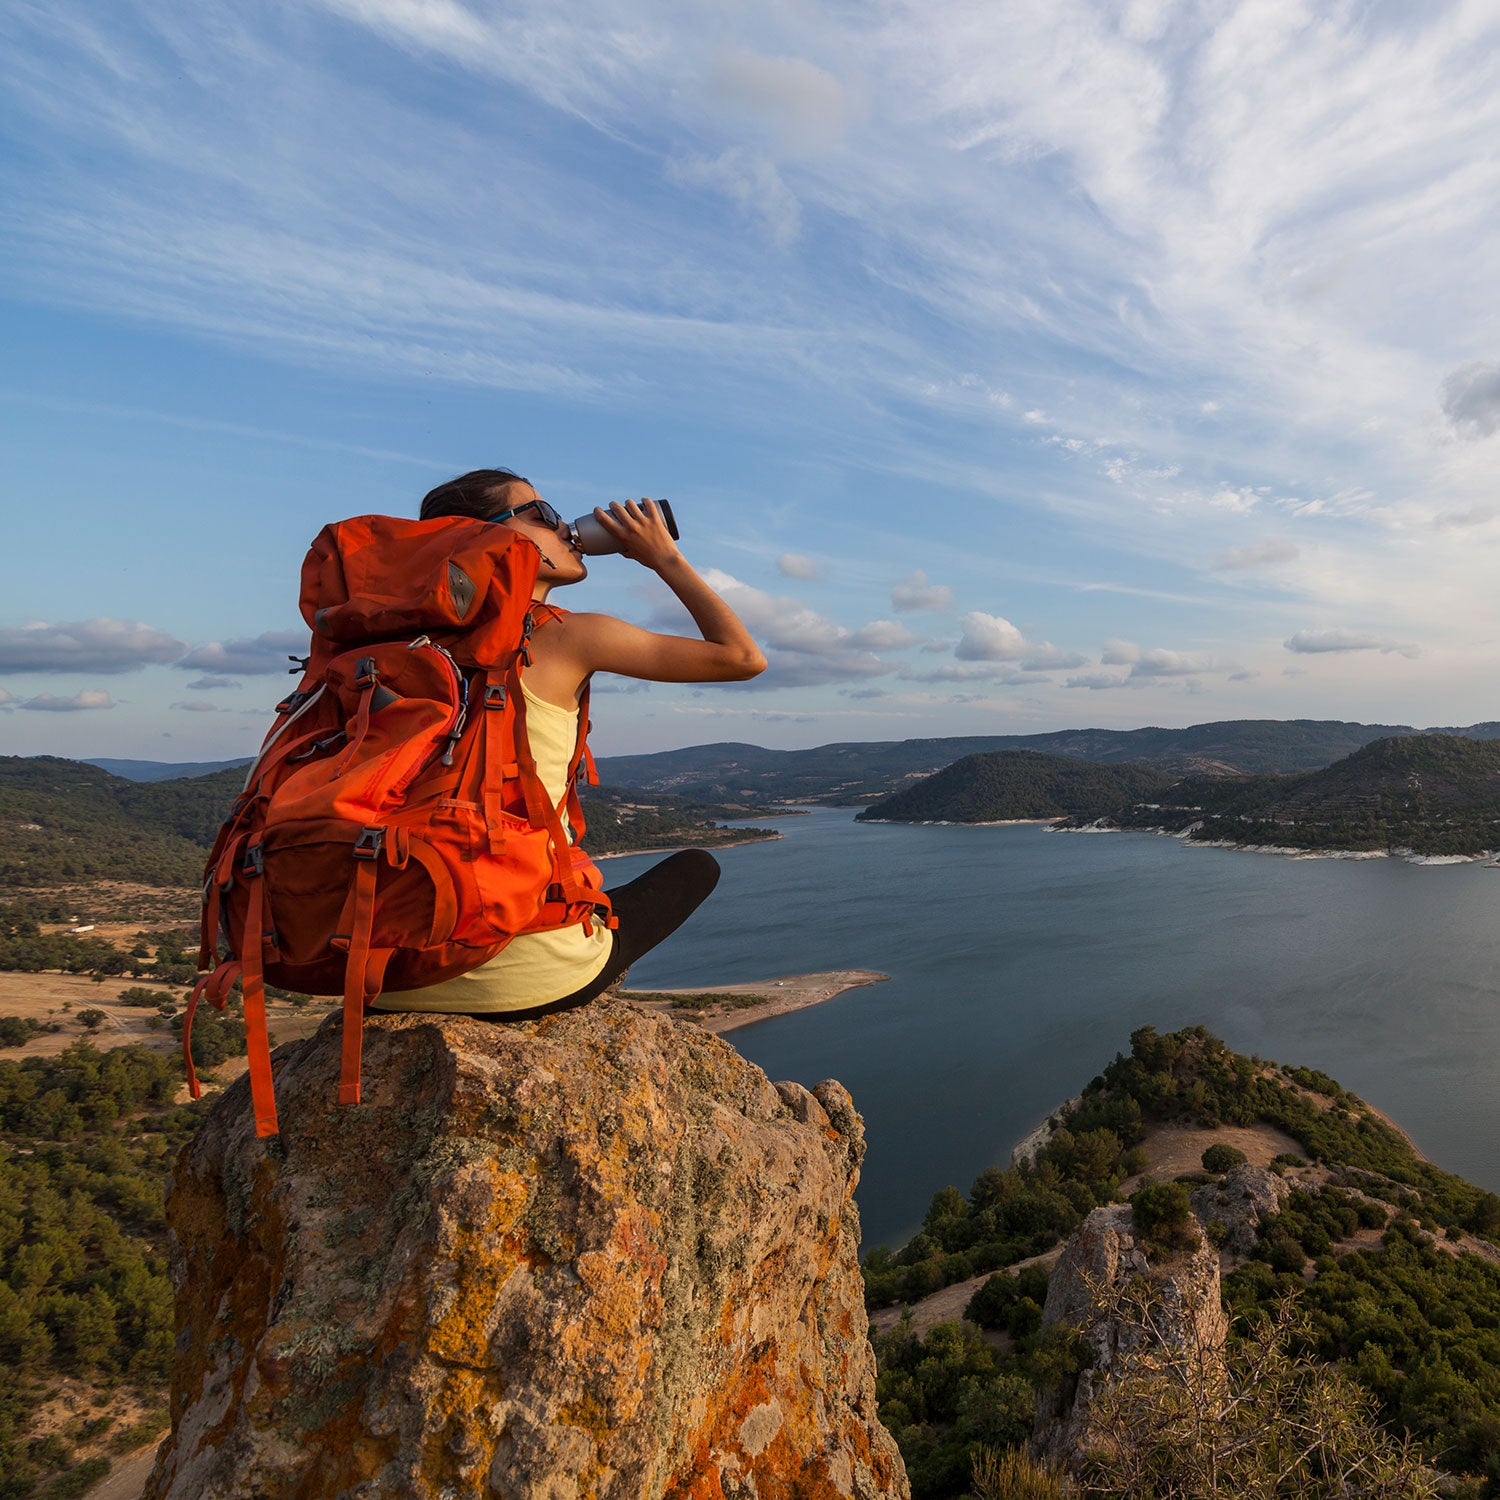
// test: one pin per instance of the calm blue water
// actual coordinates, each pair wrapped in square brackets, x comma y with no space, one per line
[1021,960]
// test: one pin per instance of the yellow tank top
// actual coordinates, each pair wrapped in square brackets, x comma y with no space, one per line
[535,967]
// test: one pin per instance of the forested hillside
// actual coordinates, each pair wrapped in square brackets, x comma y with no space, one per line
[992,788]
[1387,1264]
[1432,794]
[64,823]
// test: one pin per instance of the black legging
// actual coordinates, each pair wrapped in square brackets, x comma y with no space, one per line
[651,907]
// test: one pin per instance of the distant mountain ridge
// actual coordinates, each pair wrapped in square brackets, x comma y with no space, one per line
[856,773]
[164,770]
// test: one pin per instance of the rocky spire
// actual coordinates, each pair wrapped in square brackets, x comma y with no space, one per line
[597,1254]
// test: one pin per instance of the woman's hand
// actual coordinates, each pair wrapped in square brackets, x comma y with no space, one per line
[643,536]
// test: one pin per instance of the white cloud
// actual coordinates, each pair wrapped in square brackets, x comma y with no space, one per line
[1118,653]
[993,638]
[199,706]
[1258,555]
[86,698]
[7,699]
[1317,642]
[98,645]
[795,565]
[1097,681]
[884,635]
[915,593]
[1162,663]
[250,656]
[990,638]
[803,647]
[212,684]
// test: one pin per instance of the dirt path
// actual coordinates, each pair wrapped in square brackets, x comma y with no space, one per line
[947,1304]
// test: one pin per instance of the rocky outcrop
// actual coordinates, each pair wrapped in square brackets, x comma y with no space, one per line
[1102,1279]
[1241,1202]
[597,1254]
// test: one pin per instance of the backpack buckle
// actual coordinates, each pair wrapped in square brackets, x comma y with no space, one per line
[369,843]
[494,695]
[254,862]
[366,673]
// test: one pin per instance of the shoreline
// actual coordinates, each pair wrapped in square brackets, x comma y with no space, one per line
[958,822]
[1490,857]
[780,997]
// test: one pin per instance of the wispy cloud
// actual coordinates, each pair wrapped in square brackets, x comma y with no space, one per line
[1149,283]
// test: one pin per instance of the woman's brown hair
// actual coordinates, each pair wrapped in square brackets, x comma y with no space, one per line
[480,493]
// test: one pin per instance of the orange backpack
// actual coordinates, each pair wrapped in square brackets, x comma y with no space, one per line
[393,831]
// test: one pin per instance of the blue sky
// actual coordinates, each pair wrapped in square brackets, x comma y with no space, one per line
[1010,366]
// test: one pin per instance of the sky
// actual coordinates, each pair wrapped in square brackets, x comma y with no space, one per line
[1010,366]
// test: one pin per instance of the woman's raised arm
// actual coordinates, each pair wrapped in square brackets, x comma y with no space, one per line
[601,643]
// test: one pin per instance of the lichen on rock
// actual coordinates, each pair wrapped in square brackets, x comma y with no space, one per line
[593,1255]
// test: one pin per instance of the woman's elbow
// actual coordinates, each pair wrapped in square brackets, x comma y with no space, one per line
[746,664]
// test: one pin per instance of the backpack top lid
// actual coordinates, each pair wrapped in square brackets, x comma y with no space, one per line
[466,582]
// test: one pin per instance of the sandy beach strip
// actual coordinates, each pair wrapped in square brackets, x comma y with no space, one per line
[779,997]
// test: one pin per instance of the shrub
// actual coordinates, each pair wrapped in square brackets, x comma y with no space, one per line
[139,995]
[1163,1216]
[16,1031]
[1221,1158]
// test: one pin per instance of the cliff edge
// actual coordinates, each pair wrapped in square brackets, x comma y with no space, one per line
[597,1254]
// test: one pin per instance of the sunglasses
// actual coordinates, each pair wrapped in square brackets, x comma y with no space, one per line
[545,513]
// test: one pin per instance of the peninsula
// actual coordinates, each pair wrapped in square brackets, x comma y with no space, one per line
[1432,796]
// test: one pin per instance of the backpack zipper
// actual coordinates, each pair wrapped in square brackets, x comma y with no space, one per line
[461,686]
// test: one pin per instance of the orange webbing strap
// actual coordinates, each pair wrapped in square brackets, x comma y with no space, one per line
[444,897]
[497,769]
[208,926]
[361,728]
[257,1038]
[580,756]
[215,989]
[218,879]
[361,924]
[538,802]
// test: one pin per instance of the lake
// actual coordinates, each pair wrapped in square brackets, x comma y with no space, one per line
[1021,960]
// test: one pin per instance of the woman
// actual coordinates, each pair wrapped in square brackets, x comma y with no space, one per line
[542,972]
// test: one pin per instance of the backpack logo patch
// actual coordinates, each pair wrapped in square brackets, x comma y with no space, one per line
[461,588]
